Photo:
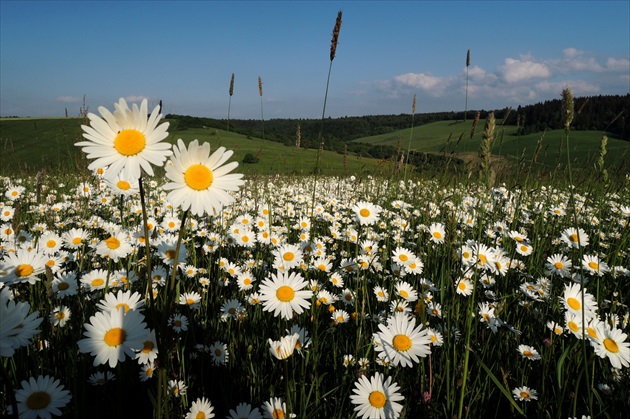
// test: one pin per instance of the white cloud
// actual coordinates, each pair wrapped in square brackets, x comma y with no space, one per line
[572,52]
[526,68]
[433,85]
[69,99]
[618,64]
[578,87]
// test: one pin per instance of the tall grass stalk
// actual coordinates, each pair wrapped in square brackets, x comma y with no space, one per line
[467,66]
[262,118]
[231,92]
[413,114]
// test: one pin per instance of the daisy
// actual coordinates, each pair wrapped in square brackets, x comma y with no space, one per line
[283,348]
[122,186]
[112,335]
[17,326]
[22,266]
[126,141]
[288,256]
[232,309]
[178,322]
[559,264]
[146,371]
[594,265]
[402,342]
[124,299]
[348,360]
[402,256]
[49,243]
[575,301]
[437,232]
[149,351]
[167,249]
[115,247]
[612,343]
[376,398]
[190,299]
[529,352]
[60,316]
[219,352]
[284,294]
[177,387]
[340,316]
[366,212]
[95,280]
[464,286]
[43,397]
[524,249]
[245,281]
[100,378]
[574,238]
[303,339]
[75,238]
[525,394]
[199,182]
[275,408]
[406,291]
[244,411]
[382,295]
[200,409]
[64,284]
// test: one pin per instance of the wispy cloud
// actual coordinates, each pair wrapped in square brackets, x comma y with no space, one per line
[69,99]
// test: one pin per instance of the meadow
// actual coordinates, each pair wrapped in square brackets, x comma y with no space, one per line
[338,292]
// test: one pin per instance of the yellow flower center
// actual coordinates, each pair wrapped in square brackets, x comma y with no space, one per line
[574,238]
[190,301]
[130,142]
[147,347]
[574,303]
[403,293]
[170,253]
[60,315]
[51,243]
[24,270]
[123,185]
[113,243]
[198,177]
[611,345]
[200,415]
[524,248]
[528,353]
[285,293]
[278,414]
[288,256]
[573,326]
[593,265]
[62,286]
[364,212]
[437,234]
[466,255]
[124,306]
[77,240]
[524,394]
[247,281]
[377,399]
[38,400]
[403,258]
[115,336]
[461,285]
[592,332]
[558,265]
[483,258]
[97,282]
[401,343]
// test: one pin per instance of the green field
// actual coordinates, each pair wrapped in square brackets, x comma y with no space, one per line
[29,145]
[442,137]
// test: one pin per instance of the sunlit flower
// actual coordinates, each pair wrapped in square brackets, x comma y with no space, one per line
[366,212]
[574,238]
[113,335]
[437,232]
[559,264]
[284,294]
[115,247]
[149,351]
[612,343]
[283,348]
[22,266]
[190,299]
[199,181]
[75,238]
[125,299]
[200,409]
[376,398]
[43,397]
[275,408]
[576,301]
[126,141]
[528,352]
[464,287]
[594,265]
[402,342]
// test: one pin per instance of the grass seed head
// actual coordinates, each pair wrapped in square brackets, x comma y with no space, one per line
[335,37]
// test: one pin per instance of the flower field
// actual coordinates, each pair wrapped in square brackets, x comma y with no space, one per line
[206,294]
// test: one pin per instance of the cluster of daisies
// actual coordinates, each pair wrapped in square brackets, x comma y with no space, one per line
[133,266]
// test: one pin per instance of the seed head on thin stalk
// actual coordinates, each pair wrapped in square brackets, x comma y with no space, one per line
[335,37]
[568,108]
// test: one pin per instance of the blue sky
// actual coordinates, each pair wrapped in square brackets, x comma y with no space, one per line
[52,53]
